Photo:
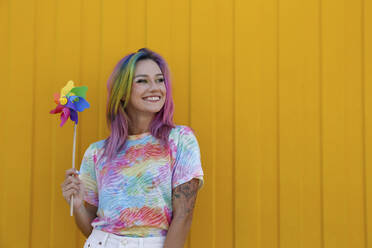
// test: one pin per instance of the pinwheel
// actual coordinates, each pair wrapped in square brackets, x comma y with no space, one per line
[69,102]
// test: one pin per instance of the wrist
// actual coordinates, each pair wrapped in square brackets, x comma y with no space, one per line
[79,209]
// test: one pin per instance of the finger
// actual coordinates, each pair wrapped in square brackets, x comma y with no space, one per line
[71,172]
[67,194]
[71,192]
[72,179]
[74,192]
[66,182]
[75,186]
[71,186]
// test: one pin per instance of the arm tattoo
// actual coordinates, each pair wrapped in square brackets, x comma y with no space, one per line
[184,197]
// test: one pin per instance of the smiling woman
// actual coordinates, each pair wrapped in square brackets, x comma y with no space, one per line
[139,185]
[148,93]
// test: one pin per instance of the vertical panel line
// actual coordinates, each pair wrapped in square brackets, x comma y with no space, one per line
[278,116]
[214,163]
[4,168]
[364,125]
[10,33]
[53,163]
[189,88]
[99,117]
[213,138]
[10,46]
[146,23]
[78,147]
[321,155]
[33,125]
[190,76]
[233,123]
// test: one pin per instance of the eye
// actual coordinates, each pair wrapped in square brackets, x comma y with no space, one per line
[141,81]
[160,80]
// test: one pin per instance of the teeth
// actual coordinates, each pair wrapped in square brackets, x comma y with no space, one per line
[154,98]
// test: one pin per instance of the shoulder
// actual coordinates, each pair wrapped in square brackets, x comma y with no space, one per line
[180,132]
[92,153]
[183,136]
[95,147]
[183,142]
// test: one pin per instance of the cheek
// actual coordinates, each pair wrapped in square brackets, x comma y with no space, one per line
[135,97]
[136,91]
[163,89]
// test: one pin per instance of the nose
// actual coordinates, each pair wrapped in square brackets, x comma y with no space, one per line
[154,85]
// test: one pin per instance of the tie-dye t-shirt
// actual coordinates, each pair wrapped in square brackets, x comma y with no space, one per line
[133,192]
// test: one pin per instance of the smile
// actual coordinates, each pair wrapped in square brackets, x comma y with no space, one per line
[152,98]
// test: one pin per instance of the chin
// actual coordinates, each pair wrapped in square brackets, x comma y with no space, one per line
[151,110]
[154,111]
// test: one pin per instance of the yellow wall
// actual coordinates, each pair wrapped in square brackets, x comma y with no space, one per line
[279,93]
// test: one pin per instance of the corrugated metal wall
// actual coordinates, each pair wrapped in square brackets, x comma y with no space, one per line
[278,91]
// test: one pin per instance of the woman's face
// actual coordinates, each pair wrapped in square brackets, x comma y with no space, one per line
[148,89]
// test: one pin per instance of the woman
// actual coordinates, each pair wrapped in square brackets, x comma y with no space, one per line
[138,187]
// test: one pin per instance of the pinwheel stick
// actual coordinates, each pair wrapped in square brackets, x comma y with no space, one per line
[69,102]
[73,166]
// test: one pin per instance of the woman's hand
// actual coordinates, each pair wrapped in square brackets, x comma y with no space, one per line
[73,186]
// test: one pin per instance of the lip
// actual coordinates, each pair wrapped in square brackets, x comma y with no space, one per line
[148,100]
[151,96]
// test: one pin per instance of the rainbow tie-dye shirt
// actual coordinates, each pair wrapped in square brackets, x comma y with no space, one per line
[133,192]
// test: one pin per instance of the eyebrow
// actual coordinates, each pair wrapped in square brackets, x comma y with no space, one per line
[144,75]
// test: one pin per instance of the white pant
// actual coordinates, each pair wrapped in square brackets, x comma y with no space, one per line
[102,239]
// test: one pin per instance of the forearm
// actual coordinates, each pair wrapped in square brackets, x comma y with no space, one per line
[83,220]
[177,232]
[183,200]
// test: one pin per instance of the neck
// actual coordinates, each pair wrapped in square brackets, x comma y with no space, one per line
[139,123]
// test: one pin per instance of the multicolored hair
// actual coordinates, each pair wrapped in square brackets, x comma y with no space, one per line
[119,86]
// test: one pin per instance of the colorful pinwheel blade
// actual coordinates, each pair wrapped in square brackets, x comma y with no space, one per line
[57,110]
[65,90]
[77,103]
[64,115]
[56,98]
[74,116]
[80,91]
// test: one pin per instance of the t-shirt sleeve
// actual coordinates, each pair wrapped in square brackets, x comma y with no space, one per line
[187,164]
[88,177]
